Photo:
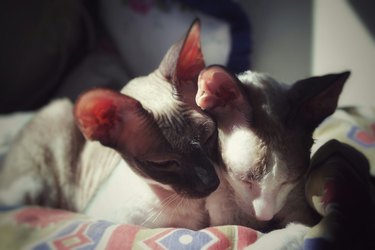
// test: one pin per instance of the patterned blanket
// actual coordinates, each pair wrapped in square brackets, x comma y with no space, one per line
[43,228]
[353,126]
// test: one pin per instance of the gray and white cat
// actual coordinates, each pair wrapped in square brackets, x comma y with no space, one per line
[143,156]
[265,136]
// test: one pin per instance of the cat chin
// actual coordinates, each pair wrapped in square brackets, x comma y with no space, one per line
[152,182]
[161,190]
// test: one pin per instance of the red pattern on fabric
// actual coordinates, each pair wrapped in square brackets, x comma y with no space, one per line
[366,137]
[245,237]
[123,237]
[223,241]
[72,241]
[40,217]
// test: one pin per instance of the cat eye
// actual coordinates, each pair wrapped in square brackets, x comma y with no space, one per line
[209,133]
[211,138]
[164,165]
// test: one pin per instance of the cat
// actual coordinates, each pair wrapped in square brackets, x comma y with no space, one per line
[265,135]
[144,156]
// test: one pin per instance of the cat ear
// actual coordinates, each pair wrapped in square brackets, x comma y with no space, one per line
[316,98]
[113,119]
[183,62]
[190,61]
[221,94]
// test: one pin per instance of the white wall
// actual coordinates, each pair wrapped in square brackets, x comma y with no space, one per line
[282,37]
[293,39]
[342,40]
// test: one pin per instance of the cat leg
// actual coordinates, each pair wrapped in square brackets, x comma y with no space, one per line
[338,187]
[37,168]
[24,187]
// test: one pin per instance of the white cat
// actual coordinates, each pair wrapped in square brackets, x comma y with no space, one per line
[143,156]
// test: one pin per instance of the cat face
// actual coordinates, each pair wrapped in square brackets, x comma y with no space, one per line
[155,124]
[265,131]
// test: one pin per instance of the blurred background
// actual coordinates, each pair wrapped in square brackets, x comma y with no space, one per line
[59,48]
[294,39]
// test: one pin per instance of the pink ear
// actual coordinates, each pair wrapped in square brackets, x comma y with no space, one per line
[190,61]
[101,113]
[182,64]
[117,121]
[221,94]
[218,88]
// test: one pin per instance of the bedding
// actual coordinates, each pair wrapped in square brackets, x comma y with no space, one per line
[32,227]
[43,228]
[351,125]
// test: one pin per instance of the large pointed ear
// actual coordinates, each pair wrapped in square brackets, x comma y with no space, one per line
[316,98]
[115,120]
[183,62]
[221,94]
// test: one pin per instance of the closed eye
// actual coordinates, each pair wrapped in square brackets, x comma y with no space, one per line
[212,137]
[209,132]
[168,165]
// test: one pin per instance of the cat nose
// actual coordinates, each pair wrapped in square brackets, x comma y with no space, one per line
[208,181]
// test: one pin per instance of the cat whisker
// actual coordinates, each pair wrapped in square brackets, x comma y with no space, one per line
[180,202]
[166,205]
[154,215]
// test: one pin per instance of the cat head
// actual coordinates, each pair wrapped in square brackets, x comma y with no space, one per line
[265,130]
[155,124]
